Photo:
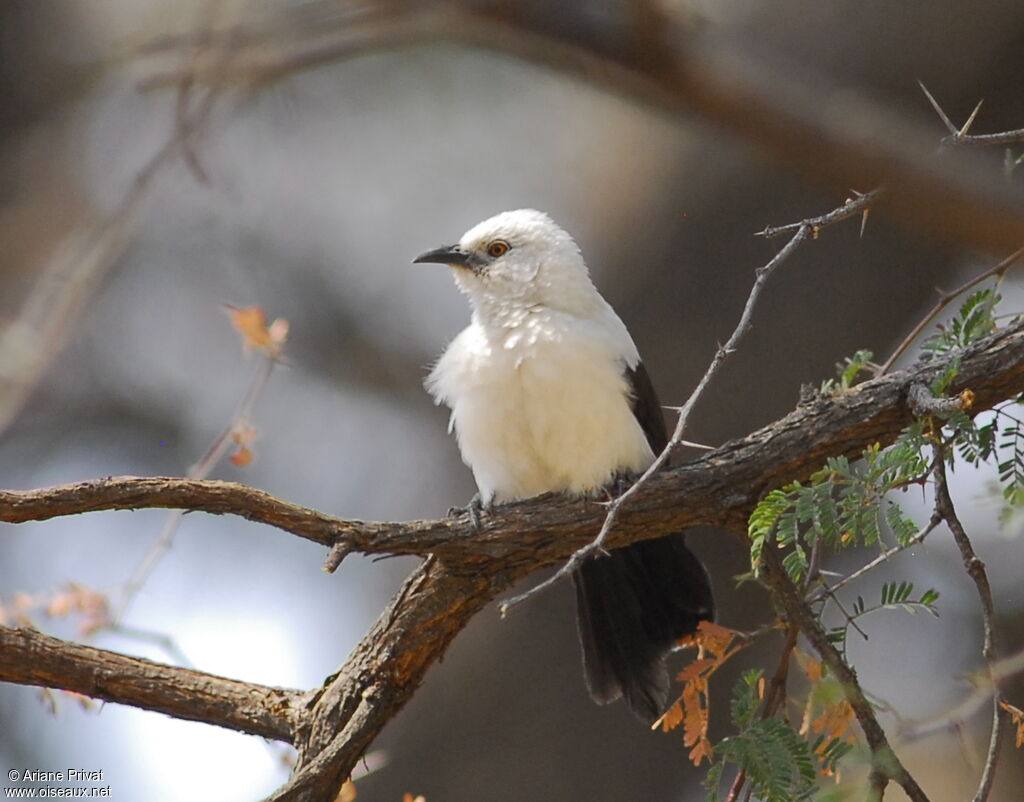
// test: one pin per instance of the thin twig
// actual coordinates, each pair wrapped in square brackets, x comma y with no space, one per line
[201,470]
[981,693]
[1002,138]
[860,204]
[827,590]
[762,274]
[943,302]
[976,570]
[597,545]
[959,136]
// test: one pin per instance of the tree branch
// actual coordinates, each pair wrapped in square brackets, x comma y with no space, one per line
[975,568]
[959,136]
[717,489]
[469,568]
[885,765]
[944,300]
[861,204]
[953,198]
[28,657]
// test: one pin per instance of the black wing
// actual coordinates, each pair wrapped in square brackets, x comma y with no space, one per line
[646,407]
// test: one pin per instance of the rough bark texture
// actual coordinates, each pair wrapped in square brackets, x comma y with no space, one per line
[28,657]
[464,569]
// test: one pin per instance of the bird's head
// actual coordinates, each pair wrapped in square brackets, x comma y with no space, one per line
[515,259]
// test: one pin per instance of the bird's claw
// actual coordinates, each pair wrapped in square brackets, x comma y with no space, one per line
[474,509]
[619,484]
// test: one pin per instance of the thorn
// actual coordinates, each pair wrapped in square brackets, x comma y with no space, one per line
[970,120]
[691,444]
[938,110]
[864,221]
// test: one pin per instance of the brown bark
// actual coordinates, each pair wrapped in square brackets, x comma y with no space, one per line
[28,657]
[466,569]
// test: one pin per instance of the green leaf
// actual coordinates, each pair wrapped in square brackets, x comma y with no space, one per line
[847,372]
[778,762]
[745,701]
[974,321]
[713,780]
[835,751]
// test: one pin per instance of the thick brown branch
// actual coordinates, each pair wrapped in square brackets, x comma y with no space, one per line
[470,568]
[384,671]
[28,657]
[717,489]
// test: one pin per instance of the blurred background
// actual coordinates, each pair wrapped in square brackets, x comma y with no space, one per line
[138,199]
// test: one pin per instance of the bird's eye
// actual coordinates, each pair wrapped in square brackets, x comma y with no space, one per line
[497,248]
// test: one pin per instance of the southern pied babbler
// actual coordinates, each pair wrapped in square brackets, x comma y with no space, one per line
[548,394]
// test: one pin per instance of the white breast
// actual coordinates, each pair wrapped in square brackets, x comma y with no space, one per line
[542,406]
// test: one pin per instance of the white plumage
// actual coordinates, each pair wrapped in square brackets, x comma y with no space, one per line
[540,385]
[536,381]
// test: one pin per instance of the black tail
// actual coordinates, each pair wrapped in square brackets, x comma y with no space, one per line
[632,606]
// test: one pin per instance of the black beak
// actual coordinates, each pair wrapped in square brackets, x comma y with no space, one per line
[446,255]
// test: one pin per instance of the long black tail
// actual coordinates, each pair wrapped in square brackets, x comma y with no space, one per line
[632,606]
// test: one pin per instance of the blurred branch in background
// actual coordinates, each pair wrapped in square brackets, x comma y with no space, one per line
[68,282]
[828,134]
[239,432]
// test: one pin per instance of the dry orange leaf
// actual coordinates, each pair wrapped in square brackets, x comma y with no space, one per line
[347,792]
[245,435]
[695,714]
[671,718]
[251,323]
[692,707]
[834,721]
[701,751]
[1017,717]
[812,666]
[242,457]
[715,638]
[696,668]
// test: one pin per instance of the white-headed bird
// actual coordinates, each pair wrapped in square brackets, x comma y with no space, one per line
[548,394]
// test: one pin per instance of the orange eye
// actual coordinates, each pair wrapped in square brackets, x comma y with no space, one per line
[497,248]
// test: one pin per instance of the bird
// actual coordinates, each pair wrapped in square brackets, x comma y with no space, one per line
[547,393]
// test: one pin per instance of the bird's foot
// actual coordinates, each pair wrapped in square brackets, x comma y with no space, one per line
[618,485]
[474,509]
